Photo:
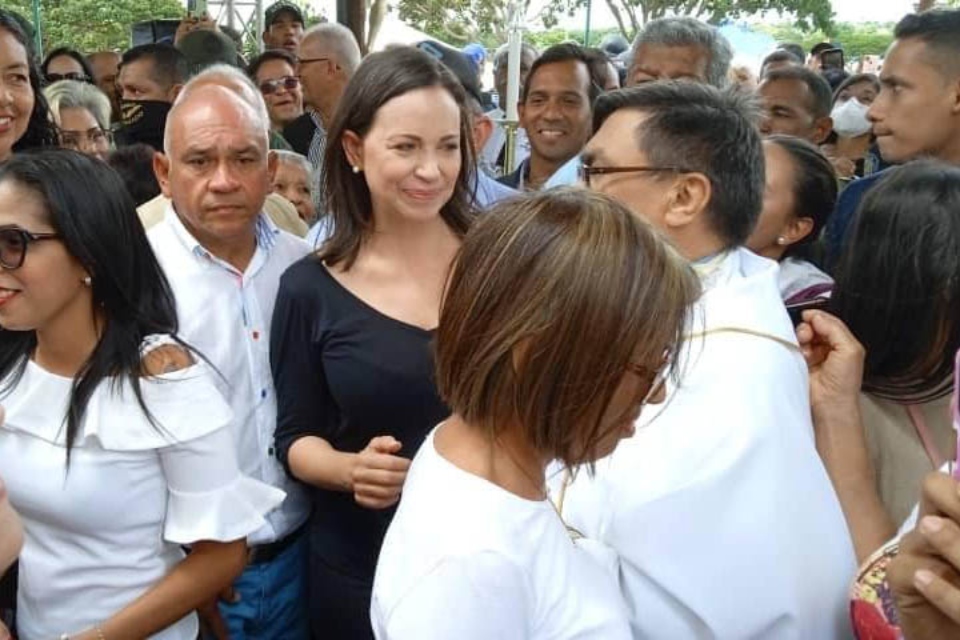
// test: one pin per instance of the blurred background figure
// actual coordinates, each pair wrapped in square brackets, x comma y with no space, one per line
[64,63]
[82,114]
[293,181]
[106,68]
[134,163]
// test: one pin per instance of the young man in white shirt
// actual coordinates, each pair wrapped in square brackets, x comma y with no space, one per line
[719,510]
[223,258]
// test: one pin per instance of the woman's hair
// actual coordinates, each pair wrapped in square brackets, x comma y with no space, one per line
[299,160]
[381,77]
[815,188]
[898,283]
[70,53]
[552,297]
[71,94]
[856,79]
[134,164]
[97,222]
[41,132]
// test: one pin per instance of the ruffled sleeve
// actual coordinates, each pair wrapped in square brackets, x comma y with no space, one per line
[208,498]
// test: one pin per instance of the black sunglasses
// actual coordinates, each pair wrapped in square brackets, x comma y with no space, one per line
[289,83]
[586,172]
[73,75]
[14,242]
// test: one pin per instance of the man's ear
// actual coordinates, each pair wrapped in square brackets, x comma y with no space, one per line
[687,200]
[273,161]
[161,169]
[822,127]
[482,130]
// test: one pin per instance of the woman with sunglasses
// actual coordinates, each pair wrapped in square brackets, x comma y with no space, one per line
[116,449]
[64,63]
[24,120]
[275,74]
[543,286]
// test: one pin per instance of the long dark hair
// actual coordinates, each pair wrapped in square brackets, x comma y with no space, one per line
[815,189]
[70,53]
[898,283]
[41,132]
[90,208]
[380,78]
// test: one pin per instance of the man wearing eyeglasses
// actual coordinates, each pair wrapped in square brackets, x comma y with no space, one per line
[329,55]
[274,73]
[722,517]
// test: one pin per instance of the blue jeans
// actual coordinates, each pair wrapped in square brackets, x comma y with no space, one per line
[273,598]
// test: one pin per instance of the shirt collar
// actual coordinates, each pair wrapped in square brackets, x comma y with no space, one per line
[266,233]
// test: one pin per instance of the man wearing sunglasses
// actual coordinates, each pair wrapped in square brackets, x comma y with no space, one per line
[723,487]
[275,74]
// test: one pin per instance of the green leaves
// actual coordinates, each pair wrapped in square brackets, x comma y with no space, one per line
[94,25]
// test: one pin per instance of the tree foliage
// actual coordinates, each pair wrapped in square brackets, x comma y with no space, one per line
[856,39]
[93,25]
[462,21]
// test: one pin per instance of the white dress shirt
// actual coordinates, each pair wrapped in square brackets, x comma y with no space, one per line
[226,316]
[105,531]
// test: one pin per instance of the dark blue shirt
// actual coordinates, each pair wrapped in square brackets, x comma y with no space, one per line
[835,235]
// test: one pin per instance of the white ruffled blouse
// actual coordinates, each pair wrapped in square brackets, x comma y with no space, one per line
[101,533]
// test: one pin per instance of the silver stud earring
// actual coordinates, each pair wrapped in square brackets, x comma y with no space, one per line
[88,281]
[356,169]
[781,240]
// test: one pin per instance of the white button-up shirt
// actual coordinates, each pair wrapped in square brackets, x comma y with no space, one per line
[226,315]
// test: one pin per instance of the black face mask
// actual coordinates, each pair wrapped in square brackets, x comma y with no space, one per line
[143,121]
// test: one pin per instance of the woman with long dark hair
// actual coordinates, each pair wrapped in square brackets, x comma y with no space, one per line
[116,448]
[64,63]
[352,327]
[24,118]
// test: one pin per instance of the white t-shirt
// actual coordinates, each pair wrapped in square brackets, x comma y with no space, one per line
[99,535]
[466,559]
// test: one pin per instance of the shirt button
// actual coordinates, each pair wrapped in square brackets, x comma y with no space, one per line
[263,393]
[256,335]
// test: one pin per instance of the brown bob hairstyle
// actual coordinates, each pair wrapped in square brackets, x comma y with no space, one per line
[381,77]
[552,297]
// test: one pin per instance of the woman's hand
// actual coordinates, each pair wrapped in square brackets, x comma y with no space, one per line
[191,24]
[925,575]
[835,360]
[378,474]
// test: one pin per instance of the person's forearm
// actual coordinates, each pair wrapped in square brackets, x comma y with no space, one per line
[11,535]
[314,461]
[843,449]
[210,567]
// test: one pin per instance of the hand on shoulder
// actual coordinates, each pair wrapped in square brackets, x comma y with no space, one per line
[166,359]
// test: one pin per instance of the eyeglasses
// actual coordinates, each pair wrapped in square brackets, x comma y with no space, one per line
[658,376]
[73,75]
[80,140]
[14,242]
[586,171]
[289,83]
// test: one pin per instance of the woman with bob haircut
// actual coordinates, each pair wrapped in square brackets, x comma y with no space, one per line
[898,290]
[557,328]
[116,448]
[82,115]
[21,97]
[353,324]
[801,193]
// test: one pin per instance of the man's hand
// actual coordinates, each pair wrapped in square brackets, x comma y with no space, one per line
[378,474]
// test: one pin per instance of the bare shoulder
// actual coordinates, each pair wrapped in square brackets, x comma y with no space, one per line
[166,359]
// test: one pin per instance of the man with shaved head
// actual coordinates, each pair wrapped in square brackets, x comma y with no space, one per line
[223,258]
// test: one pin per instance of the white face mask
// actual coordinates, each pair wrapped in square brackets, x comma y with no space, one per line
[850,119]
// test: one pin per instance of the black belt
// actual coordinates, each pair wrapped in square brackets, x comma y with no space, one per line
[263,553]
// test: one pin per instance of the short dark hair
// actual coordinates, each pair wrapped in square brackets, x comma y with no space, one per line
[701,129]
[169,65]
[898,282]
[780,55]
[134,163]
[815,187]
[857,79]
[940,31]
[41,131]
[566,52]
[70,53]
[795,49]
[821,97]
[267,56]
[820,47]
[381,77]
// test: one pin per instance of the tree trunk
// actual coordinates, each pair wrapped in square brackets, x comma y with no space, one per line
[351,14]
[615,10]
[378,11]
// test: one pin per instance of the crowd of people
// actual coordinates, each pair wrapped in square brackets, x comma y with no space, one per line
[289,350]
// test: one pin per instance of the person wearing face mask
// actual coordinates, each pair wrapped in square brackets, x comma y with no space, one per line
[151,76]
[850,145]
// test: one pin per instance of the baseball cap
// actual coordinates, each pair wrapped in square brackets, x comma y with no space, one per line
[476,54]
[456,62]
[283,6]
[203,48]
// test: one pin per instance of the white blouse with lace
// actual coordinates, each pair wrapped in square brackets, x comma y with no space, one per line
[103,532]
